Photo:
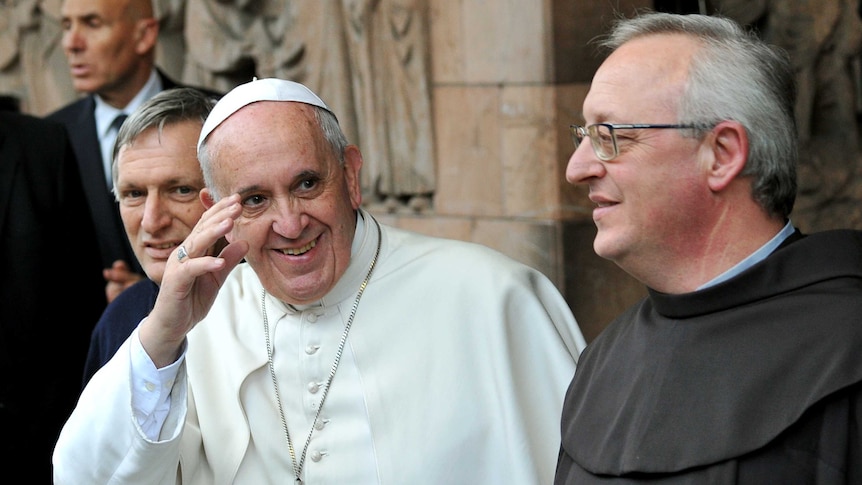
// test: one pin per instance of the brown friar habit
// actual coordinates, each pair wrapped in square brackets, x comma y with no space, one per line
[753,381]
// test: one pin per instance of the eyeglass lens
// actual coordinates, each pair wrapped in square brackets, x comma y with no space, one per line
[601,139]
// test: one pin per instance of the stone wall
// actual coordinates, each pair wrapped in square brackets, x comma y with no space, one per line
[486,92]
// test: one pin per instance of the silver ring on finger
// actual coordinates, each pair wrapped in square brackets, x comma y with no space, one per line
[182,254]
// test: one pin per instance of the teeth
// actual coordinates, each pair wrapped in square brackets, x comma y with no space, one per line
[302,250]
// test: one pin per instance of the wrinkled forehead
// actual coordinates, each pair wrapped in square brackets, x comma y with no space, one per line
[105,9]
[265,129]
[643,77]
[267,144]
[253,92]
[174,142]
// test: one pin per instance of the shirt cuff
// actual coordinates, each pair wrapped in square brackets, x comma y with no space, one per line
[151,387]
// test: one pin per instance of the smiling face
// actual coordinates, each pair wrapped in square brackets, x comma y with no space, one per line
[648,199]
[158,184]
[299,203]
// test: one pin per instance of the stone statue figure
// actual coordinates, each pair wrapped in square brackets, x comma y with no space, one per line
[824,39]
[305,42]
[171,48]
[367,58]
[388,42]
[32,63]
[218,53]
[230,41]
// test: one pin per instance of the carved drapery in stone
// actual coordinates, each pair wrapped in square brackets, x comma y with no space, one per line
[32,64]
[824,40]
[368,59]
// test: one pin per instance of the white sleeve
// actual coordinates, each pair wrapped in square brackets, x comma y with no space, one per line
[151,388]
[127,425]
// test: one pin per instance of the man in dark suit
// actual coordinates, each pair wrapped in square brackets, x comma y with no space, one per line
[110,46]
[51,289]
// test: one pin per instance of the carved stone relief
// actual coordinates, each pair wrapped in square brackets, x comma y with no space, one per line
[824,40]
[32,64]
[368,59]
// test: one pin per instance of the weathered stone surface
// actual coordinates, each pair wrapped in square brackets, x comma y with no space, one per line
[462,107]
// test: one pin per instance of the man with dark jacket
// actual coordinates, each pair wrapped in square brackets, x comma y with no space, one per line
[51,289]
[110,46]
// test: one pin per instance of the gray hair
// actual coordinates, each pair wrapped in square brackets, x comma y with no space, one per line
[735,76]
[327,122]
[170,106]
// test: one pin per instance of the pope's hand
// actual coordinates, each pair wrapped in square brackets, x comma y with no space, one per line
[189,286]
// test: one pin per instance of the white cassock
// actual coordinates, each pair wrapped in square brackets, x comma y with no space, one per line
[453,372]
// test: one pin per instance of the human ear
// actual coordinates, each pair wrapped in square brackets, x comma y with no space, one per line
[729,141]
[207,198]
[352,164]
[146,35]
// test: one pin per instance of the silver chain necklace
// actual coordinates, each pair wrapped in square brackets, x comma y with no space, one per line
[297,466]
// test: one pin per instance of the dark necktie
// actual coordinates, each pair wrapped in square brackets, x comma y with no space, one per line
[116,124]
[118,121]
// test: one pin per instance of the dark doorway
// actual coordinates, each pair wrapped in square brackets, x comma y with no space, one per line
[680,6]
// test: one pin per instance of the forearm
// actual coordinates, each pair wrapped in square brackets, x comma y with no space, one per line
[108,438]
[163,349]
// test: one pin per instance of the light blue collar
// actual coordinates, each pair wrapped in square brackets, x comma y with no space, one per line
[754,258]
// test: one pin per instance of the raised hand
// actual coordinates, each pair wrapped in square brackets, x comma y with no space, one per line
[191,283]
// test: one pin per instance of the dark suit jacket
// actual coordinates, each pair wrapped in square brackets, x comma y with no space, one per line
[51,288]
[118,321]
[80,120]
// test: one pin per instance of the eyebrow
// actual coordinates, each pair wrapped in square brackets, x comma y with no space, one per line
[86,17]
[247,190]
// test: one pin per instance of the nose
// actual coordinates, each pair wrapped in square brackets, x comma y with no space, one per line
[584,165]
[289,219]
[156,215]
[72,40]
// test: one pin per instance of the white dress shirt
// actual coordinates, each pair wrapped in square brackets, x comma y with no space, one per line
[106,114]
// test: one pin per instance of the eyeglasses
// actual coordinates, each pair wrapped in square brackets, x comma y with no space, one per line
[604,139]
